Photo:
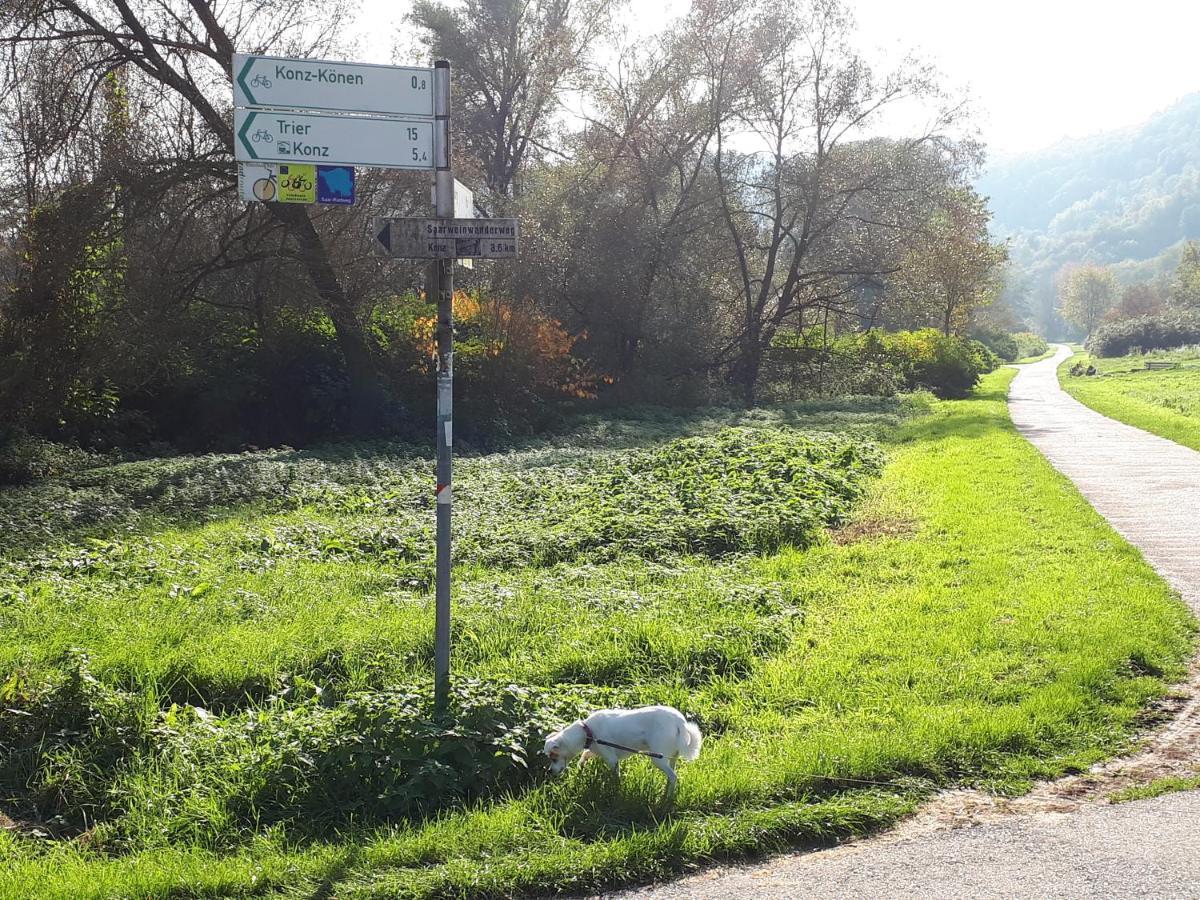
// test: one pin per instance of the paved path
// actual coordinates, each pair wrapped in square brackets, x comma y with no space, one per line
[1146,486]
[1145,849]
[1149,489]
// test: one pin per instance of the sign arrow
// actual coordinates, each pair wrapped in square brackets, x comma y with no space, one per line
[385,235]
[243,131]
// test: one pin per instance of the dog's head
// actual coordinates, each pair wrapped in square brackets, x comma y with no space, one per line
[556,752]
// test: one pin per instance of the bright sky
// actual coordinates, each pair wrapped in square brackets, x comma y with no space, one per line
[1037,70]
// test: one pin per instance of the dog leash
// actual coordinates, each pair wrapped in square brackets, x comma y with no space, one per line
[592,739]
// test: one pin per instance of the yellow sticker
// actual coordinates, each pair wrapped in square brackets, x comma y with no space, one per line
[297,183]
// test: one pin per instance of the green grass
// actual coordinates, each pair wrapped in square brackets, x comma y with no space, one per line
[977,624]
[1164,402]
[1032,359]
[1156,788]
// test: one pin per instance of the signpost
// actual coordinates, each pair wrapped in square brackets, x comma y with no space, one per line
[412,238]
[332,139]
[275,82]
[315,118]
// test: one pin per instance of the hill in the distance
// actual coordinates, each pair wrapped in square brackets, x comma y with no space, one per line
[1127,198]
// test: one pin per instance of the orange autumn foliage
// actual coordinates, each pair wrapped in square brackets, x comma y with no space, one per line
[497,339]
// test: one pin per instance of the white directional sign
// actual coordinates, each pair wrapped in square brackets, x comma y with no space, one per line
[274,81]
[332,139]
[447,238]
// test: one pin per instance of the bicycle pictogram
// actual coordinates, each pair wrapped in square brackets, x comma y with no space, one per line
[296,182]
[261,81]
[262,135]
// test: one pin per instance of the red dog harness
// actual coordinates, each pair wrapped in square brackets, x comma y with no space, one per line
[592,739]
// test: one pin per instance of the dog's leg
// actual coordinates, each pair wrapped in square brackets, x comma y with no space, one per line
[664,766]
[611,758]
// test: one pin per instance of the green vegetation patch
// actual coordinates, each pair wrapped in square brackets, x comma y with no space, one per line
[238,706]
[1165,402]
[1156,788]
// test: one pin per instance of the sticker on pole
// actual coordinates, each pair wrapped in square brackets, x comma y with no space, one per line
[257,183]
[297,183]
[290,183]
[335,184]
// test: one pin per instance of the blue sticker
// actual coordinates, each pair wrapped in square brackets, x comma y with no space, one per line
[335,184]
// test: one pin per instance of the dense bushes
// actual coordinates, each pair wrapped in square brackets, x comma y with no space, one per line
[1000,342]
[739,490]
[1030,345]
[1010,347]
[186,753]
[882,363]
[947,365]
[1165,332]
[25,457]
[513,365]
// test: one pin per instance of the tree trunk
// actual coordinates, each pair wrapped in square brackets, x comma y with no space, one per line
[746,369]
[366,389]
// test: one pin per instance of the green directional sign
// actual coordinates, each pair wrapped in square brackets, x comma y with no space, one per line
[332,139]
[281,83]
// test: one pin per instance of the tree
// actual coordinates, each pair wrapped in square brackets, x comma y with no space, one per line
[1142,299]
[180,51]
[512,59]
[1086,294]
[628,234]
[814,208]
[952,266]
[1185,292]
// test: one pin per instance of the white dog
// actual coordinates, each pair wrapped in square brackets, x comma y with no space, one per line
[660,733]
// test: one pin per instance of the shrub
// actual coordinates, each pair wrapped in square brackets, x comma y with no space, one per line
[882,363]
[1030,344]
[1001,343]
[948,365]
[1165,332]
[25,457]
[513,365]
[372,756]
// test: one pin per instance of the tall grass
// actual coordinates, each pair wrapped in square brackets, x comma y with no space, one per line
[976,623]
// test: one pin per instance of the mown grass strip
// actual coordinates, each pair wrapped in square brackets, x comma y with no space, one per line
[1004,633]
[1164,402]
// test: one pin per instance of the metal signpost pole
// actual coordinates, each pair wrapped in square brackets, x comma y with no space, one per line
[441,283]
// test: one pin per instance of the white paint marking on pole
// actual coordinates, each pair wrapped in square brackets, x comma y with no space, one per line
[464,201]
[449,428]
[280,82]
[464,208]
[332,139]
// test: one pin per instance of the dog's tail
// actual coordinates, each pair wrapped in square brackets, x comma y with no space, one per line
[689,741]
